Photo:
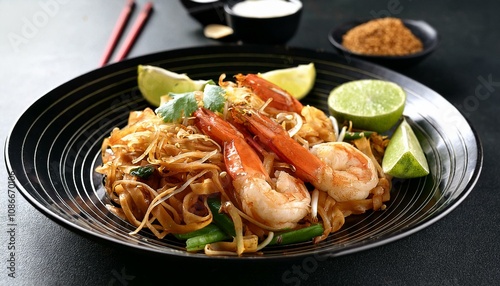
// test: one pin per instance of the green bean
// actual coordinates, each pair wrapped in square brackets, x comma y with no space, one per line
[299,235]
[220,219]
[356,135]
[198,242]
[207,229]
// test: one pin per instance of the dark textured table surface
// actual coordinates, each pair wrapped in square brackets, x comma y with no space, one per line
[48,42]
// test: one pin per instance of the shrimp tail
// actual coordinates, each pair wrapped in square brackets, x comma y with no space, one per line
[281,99]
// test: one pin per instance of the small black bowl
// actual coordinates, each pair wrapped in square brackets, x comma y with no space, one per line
[426,33]
[255,30]
[205,12]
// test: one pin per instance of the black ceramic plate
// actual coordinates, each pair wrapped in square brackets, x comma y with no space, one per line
[53,148]
[421,29]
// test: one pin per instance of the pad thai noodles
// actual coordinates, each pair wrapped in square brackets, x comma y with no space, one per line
[260,169]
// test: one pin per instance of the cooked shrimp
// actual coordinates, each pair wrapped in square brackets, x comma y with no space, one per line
[281,99]
[277,203]
[354,173]
[337,168]
[316,127]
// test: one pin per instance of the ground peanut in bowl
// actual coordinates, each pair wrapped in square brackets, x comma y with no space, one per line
[382,37]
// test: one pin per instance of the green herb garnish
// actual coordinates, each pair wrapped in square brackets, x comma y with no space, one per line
[181,104]
[143,172]
[184,104]
[213,97]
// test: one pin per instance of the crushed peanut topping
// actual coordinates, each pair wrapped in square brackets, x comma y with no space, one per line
[382,37]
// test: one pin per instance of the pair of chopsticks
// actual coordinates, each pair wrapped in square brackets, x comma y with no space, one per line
[120,26]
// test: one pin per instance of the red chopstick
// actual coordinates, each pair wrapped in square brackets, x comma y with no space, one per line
[117,31]
[135,30]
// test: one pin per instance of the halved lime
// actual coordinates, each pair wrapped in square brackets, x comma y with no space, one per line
[298,81]
[155,82]
[370,104]
[404,157]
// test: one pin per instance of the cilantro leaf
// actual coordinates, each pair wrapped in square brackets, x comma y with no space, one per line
[181,104]
[184,104]
[213,97]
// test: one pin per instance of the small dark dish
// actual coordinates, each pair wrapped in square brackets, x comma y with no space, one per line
[426,33]
[205,12]
[255,30]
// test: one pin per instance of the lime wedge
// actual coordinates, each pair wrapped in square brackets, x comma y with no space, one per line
[298,81]
[155,82]
[373,105]
[404,157]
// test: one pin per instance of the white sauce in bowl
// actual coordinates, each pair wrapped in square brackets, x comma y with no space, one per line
[265,8]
